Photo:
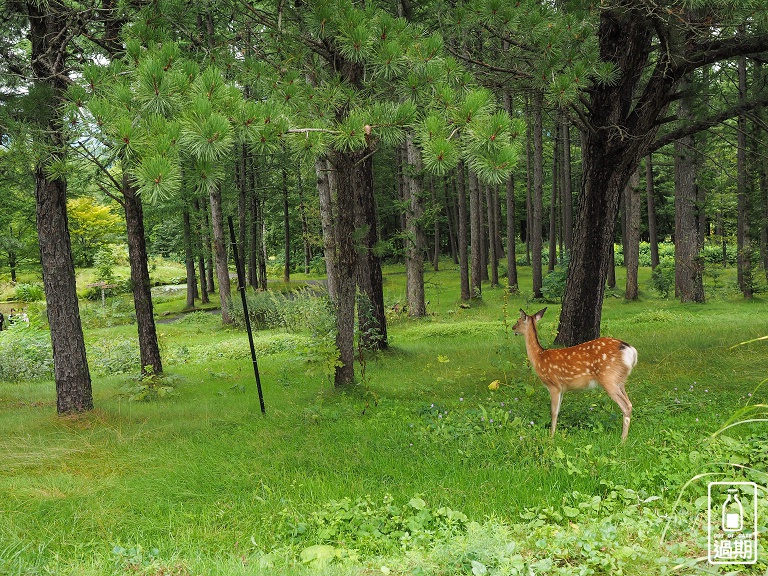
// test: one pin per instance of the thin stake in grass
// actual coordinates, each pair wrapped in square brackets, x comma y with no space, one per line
[241,289]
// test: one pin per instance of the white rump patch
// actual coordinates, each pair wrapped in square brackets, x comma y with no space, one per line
[629,356]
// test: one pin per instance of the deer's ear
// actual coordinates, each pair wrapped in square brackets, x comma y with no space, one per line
[522,313]
[539,314]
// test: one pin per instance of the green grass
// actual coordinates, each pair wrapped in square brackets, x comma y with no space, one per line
[202,483]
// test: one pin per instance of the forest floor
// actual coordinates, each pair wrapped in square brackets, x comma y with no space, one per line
[438,461]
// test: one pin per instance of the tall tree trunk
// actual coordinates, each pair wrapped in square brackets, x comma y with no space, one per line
[241,170]
[764,201]
[345,266]
[461,194]
[512,283]
[553,200]
[47,30]
[497,224]
[325,192]
[208,249]
[761,82]
[538,192]
[253,209]
[200,243]
[12,260]
[743,241]
[475,239]
[610,281]
[435,227]
[257,208]
[286,228]
[689,266]
[371,314]
[651,209]
[620,133]
[189,258]
[483,234]
[304,223]
[220,247]
[528,184]
[149,348]
[493,258]
[565,178]
[414,215]
[632,243]
[591,259]
[450,218]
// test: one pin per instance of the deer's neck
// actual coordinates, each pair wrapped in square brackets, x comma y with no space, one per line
[532,346]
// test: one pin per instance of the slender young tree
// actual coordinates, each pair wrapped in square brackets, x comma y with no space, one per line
[632,241]
[461,194]
[651,211]
[538,193]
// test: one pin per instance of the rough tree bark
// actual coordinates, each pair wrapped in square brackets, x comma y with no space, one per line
[565,178]
[149,348]
[343,165]
[538,192]
[743,241]
[189,258]
[461,193]
[414,231]
[220,248]
[475,236]
[372,319]
[622,120]
[49,36]
[689,266]
[632,242]
[651,209]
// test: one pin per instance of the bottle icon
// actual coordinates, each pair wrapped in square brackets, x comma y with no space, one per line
[733,512]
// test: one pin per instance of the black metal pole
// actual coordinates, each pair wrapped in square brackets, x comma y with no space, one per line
[241,288]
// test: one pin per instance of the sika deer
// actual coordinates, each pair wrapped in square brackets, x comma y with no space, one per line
[604,361]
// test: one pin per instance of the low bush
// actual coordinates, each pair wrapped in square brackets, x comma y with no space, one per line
[114,356]
[26,354]
[29,292]
[116,312]
[663,277]
[553,285]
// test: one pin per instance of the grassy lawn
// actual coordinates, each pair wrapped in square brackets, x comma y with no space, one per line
[419,469]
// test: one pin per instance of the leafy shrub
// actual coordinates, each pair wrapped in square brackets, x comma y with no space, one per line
[149,387]
[114,356]
[307,309]
[663,277]
[29,292]
[26,354]
[553,284]
[116,312]
[201,318]
[713,253]
[373,527]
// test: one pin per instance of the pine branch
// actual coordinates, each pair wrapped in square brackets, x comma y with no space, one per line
[706,123]
[705,53]
[513,71]
[88,154]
